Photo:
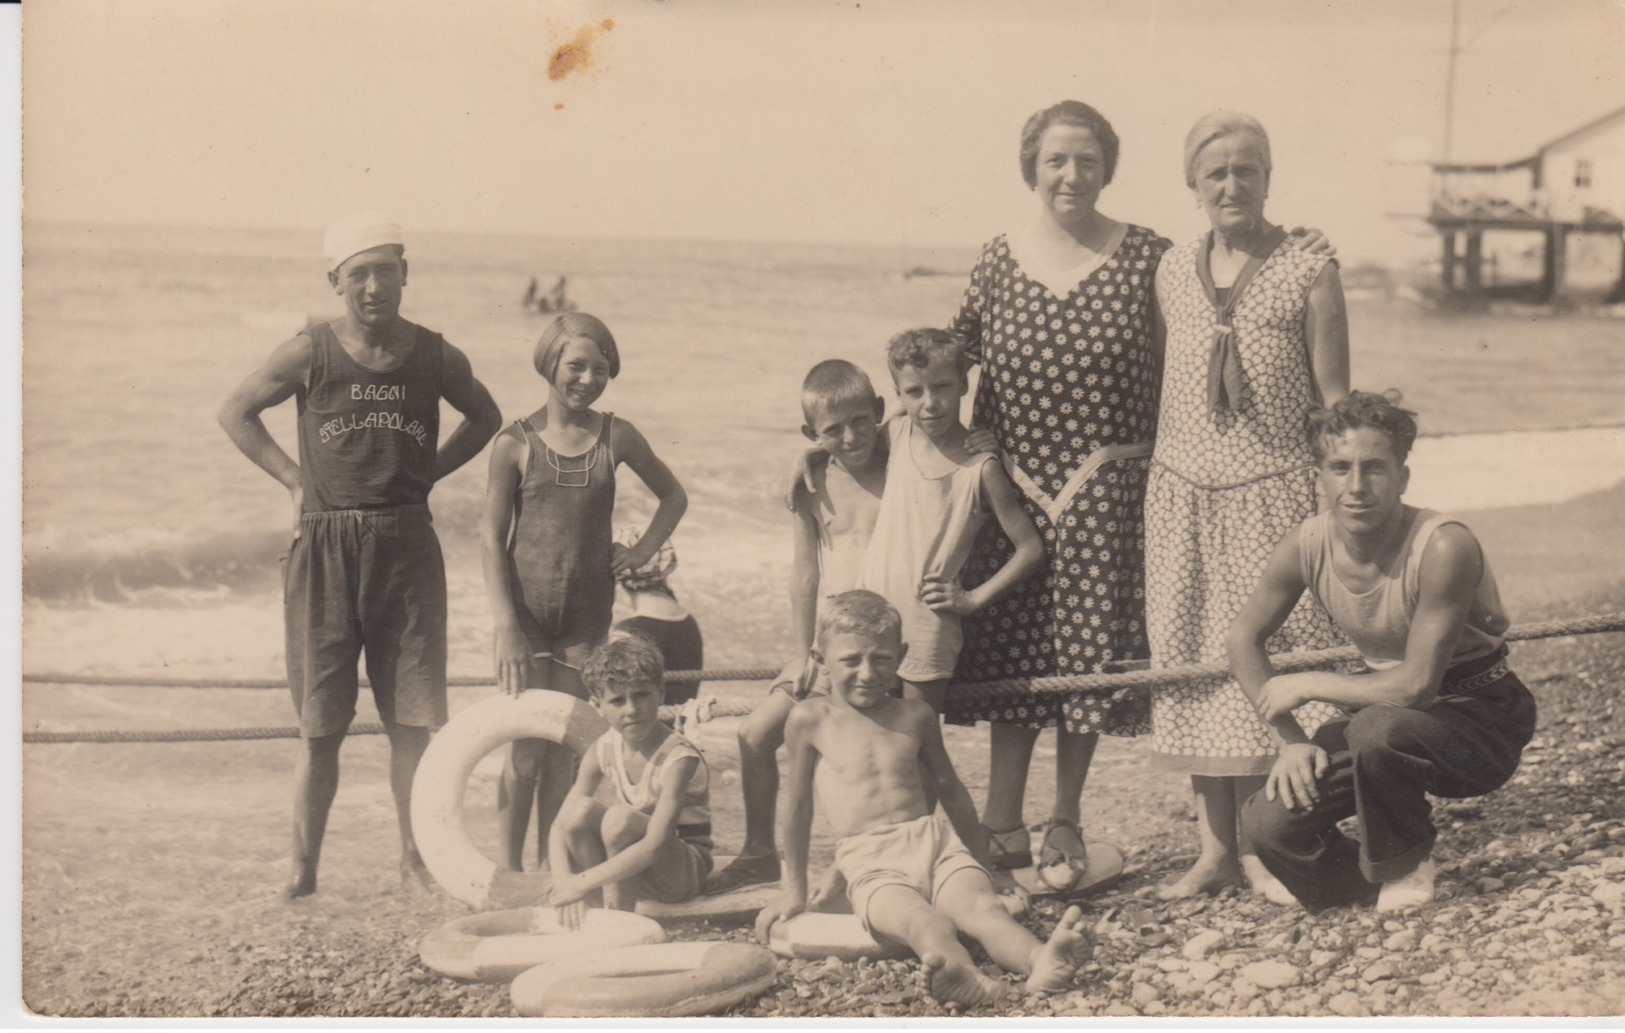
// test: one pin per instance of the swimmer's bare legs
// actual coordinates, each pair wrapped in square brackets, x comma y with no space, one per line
[1218,809]
[315,782]
[582,822]
[536,773]
[969,900]
[516,792]
[760,737]
[621,827]
[935,693]
[902,914]
[406,746]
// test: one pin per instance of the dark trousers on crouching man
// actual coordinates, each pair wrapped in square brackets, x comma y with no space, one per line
[1385,761]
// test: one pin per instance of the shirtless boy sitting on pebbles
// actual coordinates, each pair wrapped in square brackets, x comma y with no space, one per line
[908,873]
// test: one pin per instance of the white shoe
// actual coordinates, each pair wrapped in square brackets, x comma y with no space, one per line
[1411,890]
[1265,884]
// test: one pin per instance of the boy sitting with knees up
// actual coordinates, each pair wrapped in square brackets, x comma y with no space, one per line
[909,875]
[1438,712]
[654,839]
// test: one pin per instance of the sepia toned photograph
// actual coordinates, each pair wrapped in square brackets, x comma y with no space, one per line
[935,512]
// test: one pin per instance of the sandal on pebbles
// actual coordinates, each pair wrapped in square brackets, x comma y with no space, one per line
[1061,864]
[1009,848]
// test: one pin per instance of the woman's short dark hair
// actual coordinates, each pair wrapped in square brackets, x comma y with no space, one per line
[1364,409]
[1067,113]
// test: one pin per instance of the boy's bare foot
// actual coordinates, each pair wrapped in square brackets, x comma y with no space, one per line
[303,884]
[1264,884]
[1204,877]
[415,877]
[960,984]
[1057,961]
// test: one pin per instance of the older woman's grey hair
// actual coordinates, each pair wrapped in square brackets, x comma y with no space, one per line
[1066,113]
[1216,125]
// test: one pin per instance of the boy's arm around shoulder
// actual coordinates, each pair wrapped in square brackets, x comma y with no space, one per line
[804,577]
[795,814]
[806,469]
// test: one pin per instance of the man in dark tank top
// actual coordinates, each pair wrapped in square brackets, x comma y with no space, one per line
[364,574]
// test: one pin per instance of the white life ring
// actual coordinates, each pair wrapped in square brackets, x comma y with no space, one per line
[816,936]
[437,789]
[660,980]
[496,946]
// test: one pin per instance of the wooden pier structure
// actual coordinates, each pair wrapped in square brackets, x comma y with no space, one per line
[1574,184]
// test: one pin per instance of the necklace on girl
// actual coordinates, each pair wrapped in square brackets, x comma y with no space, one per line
[565,475]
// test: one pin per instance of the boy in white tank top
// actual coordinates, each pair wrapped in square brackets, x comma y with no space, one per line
[938,495]
[1437,711]
[652,839]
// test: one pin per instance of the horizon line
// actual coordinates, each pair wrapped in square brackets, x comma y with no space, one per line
[430,228]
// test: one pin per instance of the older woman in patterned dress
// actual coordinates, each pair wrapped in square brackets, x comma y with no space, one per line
[1257,335]
[1060,314]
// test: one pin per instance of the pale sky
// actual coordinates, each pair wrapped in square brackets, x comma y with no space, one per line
[886,121]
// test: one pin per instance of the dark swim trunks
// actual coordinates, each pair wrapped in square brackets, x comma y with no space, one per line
[370,580]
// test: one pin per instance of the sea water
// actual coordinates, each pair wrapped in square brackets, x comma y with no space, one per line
[134,335]
[135,504]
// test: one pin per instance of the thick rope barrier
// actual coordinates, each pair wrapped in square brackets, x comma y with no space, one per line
[1283,663]
[1115,683]
[710,709]
[125,681]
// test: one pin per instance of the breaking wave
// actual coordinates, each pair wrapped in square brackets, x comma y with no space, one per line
[177,570]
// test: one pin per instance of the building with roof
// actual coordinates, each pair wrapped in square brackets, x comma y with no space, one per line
[1566,202]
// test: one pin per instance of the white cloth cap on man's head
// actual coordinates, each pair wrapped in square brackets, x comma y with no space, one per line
[358,232]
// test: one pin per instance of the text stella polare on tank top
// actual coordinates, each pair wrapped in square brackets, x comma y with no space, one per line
[368,437]
[380,419]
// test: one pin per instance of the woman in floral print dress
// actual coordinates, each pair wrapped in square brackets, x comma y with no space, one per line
[1060,315]
[1257,334]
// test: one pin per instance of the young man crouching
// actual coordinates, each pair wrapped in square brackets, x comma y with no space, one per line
[1438,712]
